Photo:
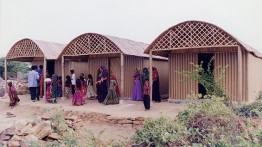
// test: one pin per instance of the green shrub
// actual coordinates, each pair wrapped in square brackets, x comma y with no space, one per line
[158,131]
[250,110]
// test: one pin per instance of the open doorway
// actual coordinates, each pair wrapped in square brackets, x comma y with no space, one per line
[205,58]
[51,67]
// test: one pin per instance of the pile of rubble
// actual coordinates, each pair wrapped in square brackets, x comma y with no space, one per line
[94,117]
[46,131]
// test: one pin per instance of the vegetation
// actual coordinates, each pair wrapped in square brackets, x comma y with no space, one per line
[205,122]
[250,110]
[13,67]
[212,121]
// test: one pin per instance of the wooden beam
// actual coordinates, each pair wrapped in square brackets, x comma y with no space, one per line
[150,77]
[44,75]
[6,87]
[122,60]
[240,75]
[63,74]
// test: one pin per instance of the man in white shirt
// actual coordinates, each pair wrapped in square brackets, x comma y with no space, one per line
[33,76]
[73,80]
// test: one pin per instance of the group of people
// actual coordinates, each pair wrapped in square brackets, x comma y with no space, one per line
[35,82]
[82,88]
[141,89]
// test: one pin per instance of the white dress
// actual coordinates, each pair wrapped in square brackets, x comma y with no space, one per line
[90,90]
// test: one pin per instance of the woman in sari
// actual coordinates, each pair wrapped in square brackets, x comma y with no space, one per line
[112,97]
[78,98]
[155,93]
[48,96]
[137,88]
[102,84]
[12,95]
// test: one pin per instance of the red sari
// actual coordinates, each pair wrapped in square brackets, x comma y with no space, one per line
[13,96]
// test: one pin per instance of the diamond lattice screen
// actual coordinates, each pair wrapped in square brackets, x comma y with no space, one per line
[91,44]
[193,34]
[25,48]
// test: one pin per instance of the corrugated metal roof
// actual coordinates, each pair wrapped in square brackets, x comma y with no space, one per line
[130,47]
[50,50]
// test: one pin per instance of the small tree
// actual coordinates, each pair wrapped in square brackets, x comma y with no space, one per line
[212,85]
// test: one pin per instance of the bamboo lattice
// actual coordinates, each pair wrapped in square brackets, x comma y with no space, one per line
[24,48]
[192,34]
[89,44]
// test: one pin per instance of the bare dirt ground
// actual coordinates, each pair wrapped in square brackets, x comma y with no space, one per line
[26,109]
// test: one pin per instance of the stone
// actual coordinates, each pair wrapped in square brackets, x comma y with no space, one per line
[72,118]
[130,118]
[4,137]
[31,138]
[125,121]
[113,122]
[27,130]
[78,124]
[127,125]
[16,138]
[103,119]
[24,144]
[137,122]
[45,117]
[54,136]
[13,143]
[38,127]
[10,131]
[115,118]
[140,118]
[20,124]
[44,132]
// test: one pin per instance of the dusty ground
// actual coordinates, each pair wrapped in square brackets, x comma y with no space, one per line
[126,108]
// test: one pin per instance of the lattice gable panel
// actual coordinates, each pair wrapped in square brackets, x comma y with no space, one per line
[25,48]
[91,44]
[193,34]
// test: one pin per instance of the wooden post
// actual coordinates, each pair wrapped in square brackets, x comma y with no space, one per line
[63,75]
[239,76]
[6,87]
[122,70]
[150,77]
[44,76]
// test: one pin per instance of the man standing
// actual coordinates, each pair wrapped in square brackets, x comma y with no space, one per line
[73,81]
[33,76]
[41,81]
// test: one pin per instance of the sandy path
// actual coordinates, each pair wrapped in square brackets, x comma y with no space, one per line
[126,108]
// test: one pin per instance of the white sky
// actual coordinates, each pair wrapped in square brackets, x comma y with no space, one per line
[140,20]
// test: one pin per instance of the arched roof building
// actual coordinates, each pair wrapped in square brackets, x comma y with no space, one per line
[196,41]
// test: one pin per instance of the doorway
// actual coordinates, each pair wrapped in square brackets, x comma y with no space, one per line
[50,67]
[205,58]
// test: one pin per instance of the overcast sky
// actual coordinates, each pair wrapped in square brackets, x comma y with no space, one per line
[140,20]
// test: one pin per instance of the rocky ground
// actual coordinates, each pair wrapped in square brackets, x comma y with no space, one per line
[113,124]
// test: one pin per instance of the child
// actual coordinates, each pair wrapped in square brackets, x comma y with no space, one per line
[68,86]
[112,97]
[90,90]
[146,93]
[54,87]
[83,82]
[12,95]
[78,98]
[59,88]
[48,96]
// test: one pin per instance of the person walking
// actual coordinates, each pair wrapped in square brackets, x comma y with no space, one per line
[73,81]
[33,76]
